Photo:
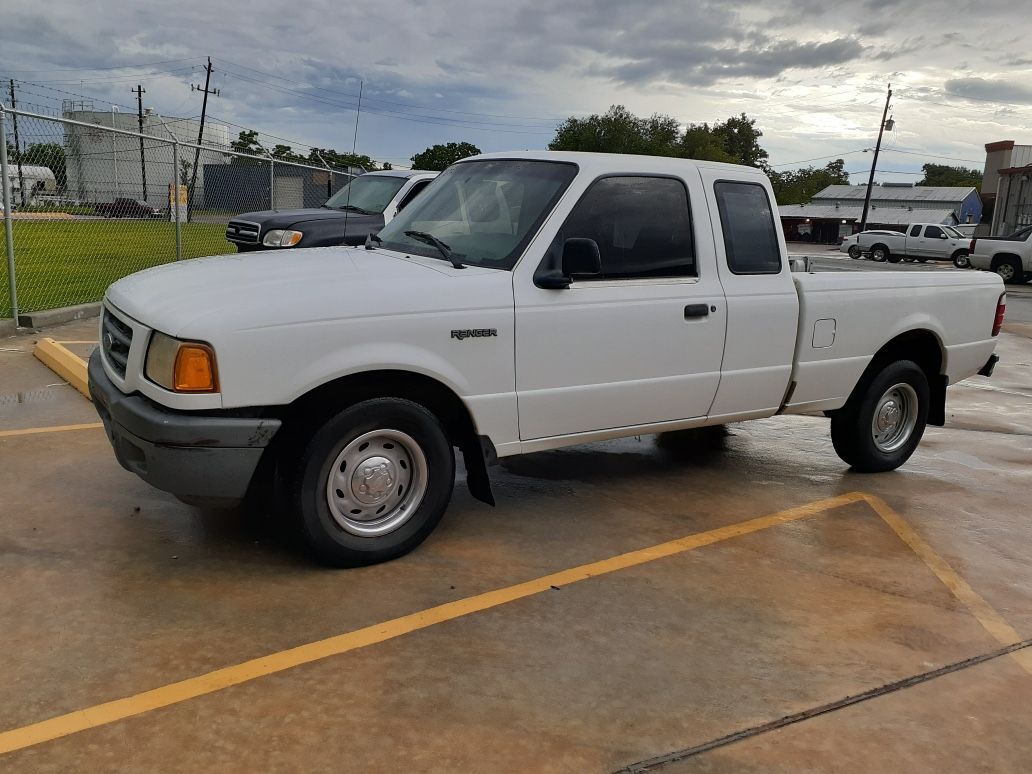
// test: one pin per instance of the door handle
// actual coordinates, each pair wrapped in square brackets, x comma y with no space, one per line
[696,310]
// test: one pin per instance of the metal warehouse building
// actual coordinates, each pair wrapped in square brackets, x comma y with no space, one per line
[837,210]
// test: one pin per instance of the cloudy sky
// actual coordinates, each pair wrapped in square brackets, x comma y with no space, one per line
[502,74]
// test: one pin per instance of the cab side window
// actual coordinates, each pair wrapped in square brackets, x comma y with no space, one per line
[642,225]
[412,194]
[934,232]
[915,231]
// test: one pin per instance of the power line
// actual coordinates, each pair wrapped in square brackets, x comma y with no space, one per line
[819,158]
[933,156]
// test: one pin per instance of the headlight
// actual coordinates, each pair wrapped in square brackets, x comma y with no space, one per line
[181,366]
[280,238]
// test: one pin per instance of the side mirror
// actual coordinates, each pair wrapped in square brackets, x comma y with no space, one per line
[943,236]
[581,257]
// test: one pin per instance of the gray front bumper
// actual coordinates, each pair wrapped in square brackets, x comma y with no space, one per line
[190,455]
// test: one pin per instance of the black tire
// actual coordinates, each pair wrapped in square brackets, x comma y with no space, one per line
[853,428]
[922,260]
[1010,270]
[880,253]
[854,251]
[961,259]
[893,258]
[322,531]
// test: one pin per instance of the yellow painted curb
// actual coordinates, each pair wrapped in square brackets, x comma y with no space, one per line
[64,363]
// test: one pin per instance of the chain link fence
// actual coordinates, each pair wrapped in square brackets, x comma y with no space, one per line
[86,204]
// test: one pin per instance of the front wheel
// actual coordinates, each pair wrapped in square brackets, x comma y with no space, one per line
[881,425]
[373,482]
[854,251]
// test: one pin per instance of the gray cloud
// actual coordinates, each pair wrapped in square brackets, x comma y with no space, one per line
[989,90]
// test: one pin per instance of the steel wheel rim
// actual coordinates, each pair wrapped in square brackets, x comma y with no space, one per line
[895,417]
[1005,270]
[376,483]
[878,255]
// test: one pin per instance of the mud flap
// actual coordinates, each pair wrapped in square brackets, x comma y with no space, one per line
[475,455]
[937,403]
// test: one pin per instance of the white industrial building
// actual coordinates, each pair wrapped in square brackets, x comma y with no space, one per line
[103,165]
[35,180]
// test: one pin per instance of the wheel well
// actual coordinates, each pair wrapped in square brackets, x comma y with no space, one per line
[1001,257]
[923,347]
[333,397]
[302,416]
[961,251]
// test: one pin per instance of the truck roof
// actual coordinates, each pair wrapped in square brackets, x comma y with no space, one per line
[399,172]
[601,163]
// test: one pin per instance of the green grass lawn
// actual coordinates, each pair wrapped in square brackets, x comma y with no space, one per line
[66,262]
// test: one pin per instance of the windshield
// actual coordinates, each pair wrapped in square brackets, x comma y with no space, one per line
[484,211]
[952,232]
[367,193]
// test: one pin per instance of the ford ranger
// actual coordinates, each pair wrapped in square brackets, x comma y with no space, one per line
[527,301]
[358,209]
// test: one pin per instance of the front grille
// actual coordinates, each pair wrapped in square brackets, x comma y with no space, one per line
[115,341]
[243,231]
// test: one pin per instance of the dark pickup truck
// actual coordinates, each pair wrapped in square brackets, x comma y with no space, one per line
[360,208]
[127,208]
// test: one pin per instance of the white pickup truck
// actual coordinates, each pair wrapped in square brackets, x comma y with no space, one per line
[525,301]
[1009,256]
[920,242]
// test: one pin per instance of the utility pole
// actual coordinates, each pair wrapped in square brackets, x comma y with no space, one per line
[200,135]
[139,91]
[874,164]
[17,148]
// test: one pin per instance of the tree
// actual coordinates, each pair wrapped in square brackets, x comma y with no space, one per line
[620,131]
[798,186]
[741,139]
[943,174]
[439,157]
[184,171]
[328,156]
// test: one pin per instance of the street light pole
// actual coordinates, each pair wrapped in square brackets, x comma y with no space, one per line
[874,163]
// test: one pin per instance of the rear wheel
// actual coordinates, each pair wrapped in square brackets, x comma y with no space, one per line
[879,253]
[372,482]
[1010,271]
[854,251]
[961,259]
[881,425]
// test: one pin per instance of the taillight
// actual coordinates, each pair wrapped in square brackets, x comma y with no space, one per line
[1001,307]
[971,247]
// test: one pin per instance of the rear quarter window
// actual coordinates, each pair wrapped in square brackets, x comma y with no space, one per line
[747,220]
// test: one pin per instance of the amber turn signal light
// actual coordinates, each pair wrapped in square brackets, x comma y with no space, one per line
[195,369]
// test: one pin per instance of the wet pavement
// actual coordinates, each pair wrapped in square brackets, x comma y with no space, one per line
[109,588]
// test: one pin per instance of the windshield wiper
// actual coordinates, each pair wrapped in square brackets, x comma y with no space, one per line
[442,248]
[353,208]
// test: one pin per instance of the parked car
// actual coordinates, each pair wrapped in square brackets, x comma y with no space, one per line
[128,208]
[360,208]
[527,301]
[1009,256]
[920,241]
[851,243]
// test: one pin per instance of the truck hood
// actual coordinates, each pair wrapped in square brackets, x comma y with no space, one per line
[203,297]
[269,219]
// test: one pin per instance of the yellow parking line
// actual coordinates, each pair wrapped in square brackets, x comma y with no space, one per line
[77,342]
[64,363]
[119,709]
[54,429]
[991,621]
